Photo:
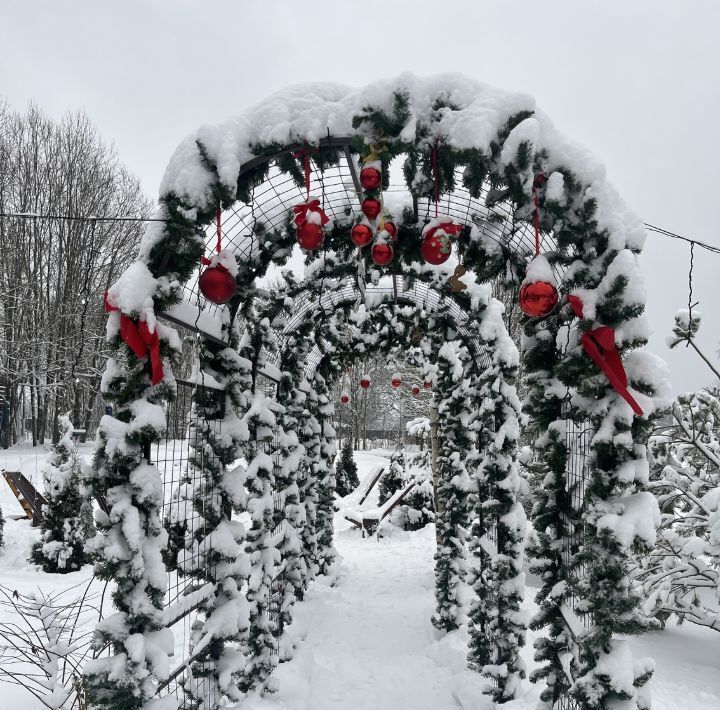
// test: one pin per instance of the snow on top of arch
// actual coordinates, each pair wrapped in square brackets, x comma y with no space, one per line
[311,111]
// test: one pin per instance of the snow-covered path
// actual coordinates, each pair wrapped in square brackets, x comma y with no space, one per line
[367,642]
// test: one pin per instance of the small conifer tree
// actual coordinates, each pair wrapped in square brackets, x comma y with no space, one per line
[394,478]
[346,476]
[60,548]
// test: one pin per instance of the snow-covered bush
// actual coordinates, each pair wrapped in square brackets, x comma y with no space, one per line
[45,641]
[394,478]
[60,548]
[346,477]
[419,504]
[681,575]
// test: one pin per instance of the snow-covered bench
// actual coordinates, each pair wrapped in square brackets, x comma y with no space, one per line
[28,496]
[369,520]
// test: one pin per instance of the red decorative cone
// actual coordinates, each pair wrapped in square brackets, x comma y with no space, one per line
[396,381]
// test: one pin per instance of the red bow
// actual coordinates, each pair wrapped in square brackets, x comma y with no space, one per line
[599,344]
[139,339]
[301,212]
[450,228]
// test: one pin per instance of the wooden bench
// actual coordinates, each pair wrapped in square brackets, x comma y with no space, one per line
[369,520]
[32,500]
[28,496]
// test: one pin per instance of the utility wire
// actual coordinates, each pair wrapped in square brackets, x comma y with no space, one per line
[127,218]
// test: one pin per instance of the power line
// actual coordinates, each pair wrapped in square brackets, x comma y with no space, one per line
[694,242]
[128,218]
[78,218]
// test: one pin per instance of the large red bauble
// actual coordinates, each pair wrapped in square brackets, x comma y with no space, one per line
[396,381]
[391,229]
[365,382]
[371,207]
[217,284]
[435,248]
[370,178]
[310,236]
[415,390]
[538,299]
[361,235]
[427,385]
[382,254]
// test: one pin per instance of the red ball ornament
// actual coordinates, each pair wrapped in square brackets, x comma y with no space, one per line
[371,207]
[310,236]
[435,248]
[361,235]
[538,299]
[396,381]
[344,397]
[364,382]
[427,385]
[370,178]
[382,254]
[391,229]
[217,284]
[415,390]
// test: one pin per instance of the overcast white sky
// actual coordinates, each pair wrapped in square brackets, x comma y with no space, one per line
[636,81]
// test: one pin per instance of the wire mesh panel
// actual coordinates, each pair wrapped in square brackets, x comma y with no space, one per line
[578,437]
[181,466]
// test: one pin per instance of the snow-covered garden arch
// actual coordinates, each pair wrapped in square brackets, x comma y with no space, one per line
[494,164]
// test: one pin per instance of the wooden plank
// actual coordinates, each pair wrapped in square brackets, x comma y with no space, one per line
[395,500]
[357,523]
[28,496]
[372,483]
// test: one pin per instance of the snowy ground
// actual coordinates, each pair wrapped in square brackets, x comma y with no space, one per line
[364,639]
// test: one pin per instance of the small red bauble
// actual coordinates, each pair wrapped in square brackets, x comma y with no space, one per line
[415,390]
[391,229]
[538,299]
[396,381]
[310,236]
[435,248]
[427,385]
[371,207]
[344,397]
[217,284]
[361,235]
[382,254]
[370,178]
[365,382]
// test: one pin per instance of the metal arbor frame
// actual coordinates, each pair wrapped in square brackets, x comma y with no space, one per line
[339,190]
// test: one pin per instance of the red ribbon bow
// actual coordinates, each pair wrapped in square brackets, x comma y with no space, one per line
[599,344]
[301,212]
[139,339]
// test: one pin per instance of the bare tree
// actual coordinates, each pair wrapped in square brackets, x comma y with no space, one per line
[55,270]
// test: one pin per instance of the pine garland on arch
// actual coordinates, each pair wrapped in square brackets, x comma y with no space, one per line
[495,145]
